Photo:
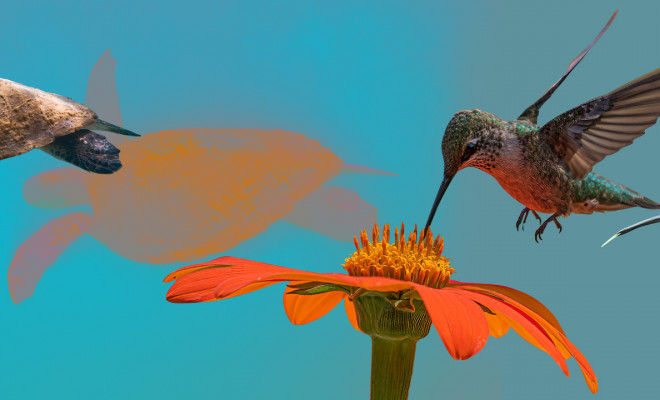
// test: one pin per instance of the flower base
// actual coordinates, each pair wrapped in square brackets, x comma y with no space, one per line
[383,316]
[394,335]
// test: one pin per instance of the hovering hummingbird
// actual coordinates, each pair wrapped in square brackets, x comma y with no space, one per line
[548,168]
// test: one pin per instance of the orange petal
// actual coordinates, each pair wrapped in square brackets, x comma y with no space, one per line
[525,334]
[521,331]
[562,340]
[350,313]
[557,336]
[519,320]
[591,380]
[197,283]
[229,276]
[498,326]
[459,321]
[187,270]
[559,340]
[235,280]
[218,262]
[241,267]
[520,297]
[587,371]
[302,309]
[565,347]
[200,287]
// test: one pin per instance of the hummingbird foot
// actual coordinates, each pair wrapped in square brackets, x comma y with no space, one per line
[522,219]
[541,229]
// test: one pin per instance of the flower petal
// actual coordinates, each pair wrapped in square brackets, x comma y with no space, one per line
[527,335]
[302,309]
[200,287]
[557,336]
[221,262]
[560,338]
[459,321]
[520,297]
[350,313]
[498,326]
[229,285]
[587,371]
[565,347]
[592,381]
[195,267]
[539,319]
[197,283]
[521,322]
[229,276]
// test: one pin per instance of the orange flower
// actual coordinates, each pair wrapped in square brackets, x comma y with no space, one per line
[408,274]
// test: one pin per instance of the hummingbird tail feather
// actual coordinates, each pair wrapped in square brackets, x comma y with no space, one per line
[645,202]
[609,195]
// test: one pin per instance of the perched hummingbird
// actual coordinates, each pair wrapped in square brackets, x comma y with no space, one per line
[548,168]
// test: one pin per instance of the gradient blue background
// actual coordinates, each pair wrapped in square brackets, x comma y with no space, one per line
[376,82]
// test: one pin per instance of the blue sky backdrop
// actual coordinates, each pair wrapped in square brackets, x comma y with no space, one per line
[376,82]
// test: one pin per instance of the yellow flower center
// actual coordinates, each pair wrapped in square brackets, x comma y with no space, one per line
[418,261]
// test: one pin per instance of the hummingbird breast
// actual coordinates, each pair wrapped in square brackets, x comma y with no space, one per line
[529,171]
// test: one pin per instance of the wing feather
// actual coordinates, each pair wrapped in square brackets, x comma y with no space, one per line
[531,113]
[588,133]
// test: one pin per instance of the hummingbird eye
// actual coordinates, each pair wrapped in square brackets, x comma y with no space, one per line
[469,150]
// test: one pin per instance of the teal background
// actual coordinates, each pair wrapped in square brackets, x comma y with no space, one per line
[376,82]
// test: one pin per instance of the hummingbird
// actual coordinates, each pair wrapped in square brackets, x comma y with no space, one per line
[548,168]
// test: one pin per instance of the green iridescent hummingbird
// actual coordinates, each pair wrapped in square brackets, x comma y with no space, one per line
[548,168]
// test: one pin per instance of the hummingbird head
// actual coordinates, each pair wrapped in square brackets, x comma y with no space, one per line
[470,140]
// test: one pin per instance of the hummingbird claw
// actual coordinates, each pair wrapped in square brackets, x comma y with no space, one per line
[522,218]
[557,224]
[522,215]
[539,232]
[537,236]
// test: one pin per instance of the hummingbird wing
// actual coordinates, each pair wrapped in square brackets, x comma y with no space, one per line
[531,113]
[589,132]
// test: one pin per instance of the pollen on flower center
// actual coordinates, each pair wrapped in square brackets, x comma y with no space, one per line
[414,260]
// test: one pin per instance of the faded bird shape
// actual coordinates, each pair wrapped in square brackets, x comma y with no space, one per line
[548,168]
[193,193]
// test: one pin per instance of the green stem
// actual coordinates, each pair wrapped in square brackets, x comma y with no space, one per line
[391,367]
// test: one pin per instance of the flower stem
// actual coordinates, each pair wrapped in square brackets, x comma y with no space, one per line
[391,367]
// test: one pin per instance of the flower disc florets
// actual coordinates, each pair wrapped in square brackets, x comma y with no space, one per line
[418,261]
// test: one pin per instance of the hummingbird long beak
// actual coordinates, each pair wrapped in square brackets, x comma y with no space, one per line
[443,188]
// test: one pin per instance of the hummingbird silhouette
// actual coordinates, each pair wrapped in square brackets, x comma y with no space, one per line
[548,168]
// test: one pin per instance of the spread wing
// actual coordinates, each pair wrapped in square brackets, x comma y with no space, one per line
[87,150]
[588,133]
[531,113]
